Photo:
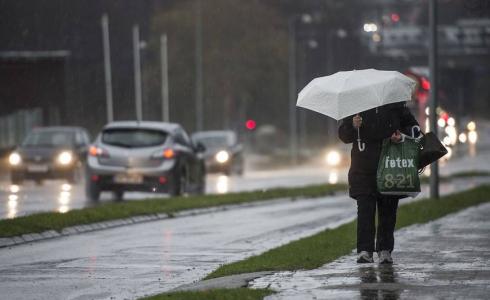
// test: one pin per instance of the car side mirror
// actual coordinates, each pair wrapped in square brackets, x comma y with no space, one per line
[200,147]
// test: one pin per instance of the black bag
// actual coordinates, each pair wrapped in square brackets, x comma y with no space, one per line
[431,149]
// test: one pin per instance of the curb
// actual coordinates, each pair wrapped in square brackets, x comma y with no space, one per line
[227,282]
[79,229]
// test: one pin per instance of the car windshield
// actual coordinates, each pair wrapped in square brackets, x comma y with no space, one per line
[49,138]
[212,142]
[133,137]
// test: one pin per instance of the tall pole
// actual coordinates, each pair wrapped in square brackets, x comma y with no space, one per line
[137,73]
[434,168]
[199,89]
[107,68]
[293,128]
[164,70]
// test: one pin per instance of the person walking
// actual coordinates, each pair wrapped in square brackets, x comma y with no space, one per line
[374,125]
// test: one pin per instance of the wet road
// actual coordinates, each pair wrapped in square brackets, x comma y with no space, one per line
[133,261]
[60,196]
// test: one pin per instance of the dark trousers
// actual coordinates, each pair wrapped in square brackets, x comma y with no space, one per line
[366,214]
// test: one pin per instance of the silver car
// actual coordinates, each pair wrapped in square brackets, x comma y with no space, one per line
[144,156]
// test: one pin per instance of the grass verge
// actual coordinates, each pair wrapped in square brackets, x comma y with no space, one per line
[465,174]
[326,246]
[111,211]
[221,294]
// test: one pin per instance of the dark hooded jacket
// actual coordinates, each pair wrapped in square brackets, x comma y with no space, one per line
[377,124]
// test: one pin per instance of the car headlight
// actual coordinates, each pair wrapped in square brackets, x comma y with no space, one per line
[222,156]
[15,159]
[65,158]
[333,158]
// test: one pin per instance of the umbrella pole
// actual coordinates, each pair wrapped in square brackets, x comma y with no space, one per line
[360,145]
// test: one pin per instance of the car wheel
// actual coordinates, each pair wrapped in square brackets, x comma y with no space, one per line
[92,191]
[74,177]
[228,171]
[237,169]
[201,189]
[118,195]
[16,178]
[179,184]
[200,186]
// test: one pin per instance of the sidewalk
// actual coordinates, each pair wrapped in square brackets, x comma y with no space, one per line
[445,259]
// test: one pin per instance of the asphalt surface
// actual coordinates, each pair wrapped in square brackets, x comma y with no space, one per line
[444,259]
[57,195]
[61,197]
[133,261]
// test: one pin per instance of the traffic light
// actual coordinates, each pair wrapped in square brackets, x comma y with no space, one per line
[250,124]
[423,85]
[395,17]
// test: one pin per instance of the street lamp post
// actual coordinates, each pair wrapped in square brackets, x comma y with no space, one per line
[198,70]
[434,167]
[293,121]
[107,67]
[164,71]
[137,73]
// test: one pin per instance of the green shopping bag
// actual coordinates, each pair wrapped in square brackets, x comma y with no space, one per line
[397,168]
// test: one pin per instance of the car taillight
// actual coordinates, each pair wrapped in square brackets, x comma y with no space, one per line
[97,151]
[165,154]
[168,153]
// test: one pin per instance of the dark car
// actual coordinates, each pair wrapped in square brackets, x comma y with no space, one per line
[223,151]
[144,156]
[50,153]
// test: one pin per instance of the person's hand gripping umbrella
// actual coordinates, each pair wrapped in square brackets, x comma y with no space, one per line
[357,123]
[351,92]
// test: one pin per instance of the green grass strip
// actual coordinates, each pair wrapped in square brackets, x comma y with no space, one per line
[465,174]
[217,294]
[111,211]
[326,246]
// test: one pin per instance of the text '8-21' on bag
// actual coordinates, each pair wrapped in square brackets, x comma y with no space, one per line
[398,168]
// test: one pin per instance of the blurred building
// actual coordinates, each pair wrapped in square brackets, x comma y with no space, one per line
[51,62]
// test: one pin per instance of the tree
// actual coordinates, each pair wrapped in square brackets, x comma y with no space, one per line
[244,62]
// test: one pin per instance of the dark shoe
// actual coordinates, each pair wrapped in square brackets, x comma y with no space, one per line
[365,257]
[385,257]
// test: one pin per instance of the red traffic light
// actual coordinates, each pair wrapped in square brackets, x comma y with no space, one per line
[425,83]
[395,17]
[250,124]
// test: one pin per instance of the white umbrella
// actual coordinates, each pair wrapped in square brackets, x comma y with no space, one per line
[348,93]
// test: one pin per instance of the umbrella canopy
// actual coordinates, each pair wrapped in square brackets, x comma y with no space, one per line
[348,93]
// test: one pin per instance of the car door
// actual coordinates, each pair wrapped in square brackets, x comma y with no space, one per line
[189,156]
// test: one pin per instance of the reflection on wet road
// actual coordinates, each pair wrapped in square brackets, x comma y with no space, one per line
[132,261]
[61,197]
[30,198]
[58,196]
